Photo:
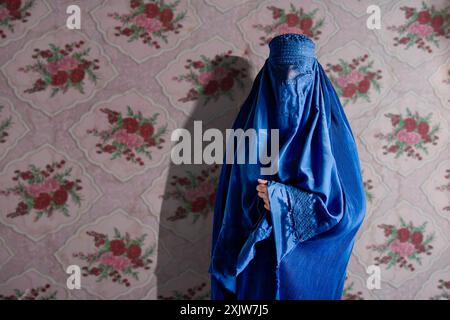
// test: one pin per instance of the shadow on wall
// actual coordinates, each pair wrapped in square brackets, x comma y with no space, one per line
[186,215]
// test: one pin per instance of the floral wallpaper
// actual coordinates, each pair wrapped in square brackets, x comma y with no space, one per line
[86,118]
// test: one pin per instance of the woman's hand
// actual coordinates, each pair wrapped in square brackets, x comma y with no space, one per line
[263,193]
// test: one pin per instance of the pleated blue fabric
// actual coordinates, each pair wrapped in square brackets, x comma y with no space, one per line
[300,249]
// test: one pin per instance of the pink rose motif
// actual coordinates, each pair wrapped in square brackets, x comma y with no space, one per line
[121,262]
[284,28]
[117,262]
[342,81]
[207,188]
[53,67]
[149,24]
[3,13]
[413,138]
[67,63]
[216,74]
[130,139]
[193,194]
[353,77]
[107,258]
[410,138]
[121,136]
[47,186]
[402,135]
[135,141]
[421,30]
[405,249]
[205,77]
[200,191]
[64,64]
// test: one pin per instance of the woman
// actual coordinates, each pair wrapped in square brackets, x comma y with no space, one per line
[289,235]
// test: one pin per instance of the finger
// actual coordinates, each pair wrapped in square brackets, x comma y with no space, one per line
[267,207]
[261,188]
[262,195]
[262,181]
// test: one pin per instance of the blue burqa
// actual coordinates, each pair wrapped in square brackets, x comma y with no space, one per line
[300,249]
